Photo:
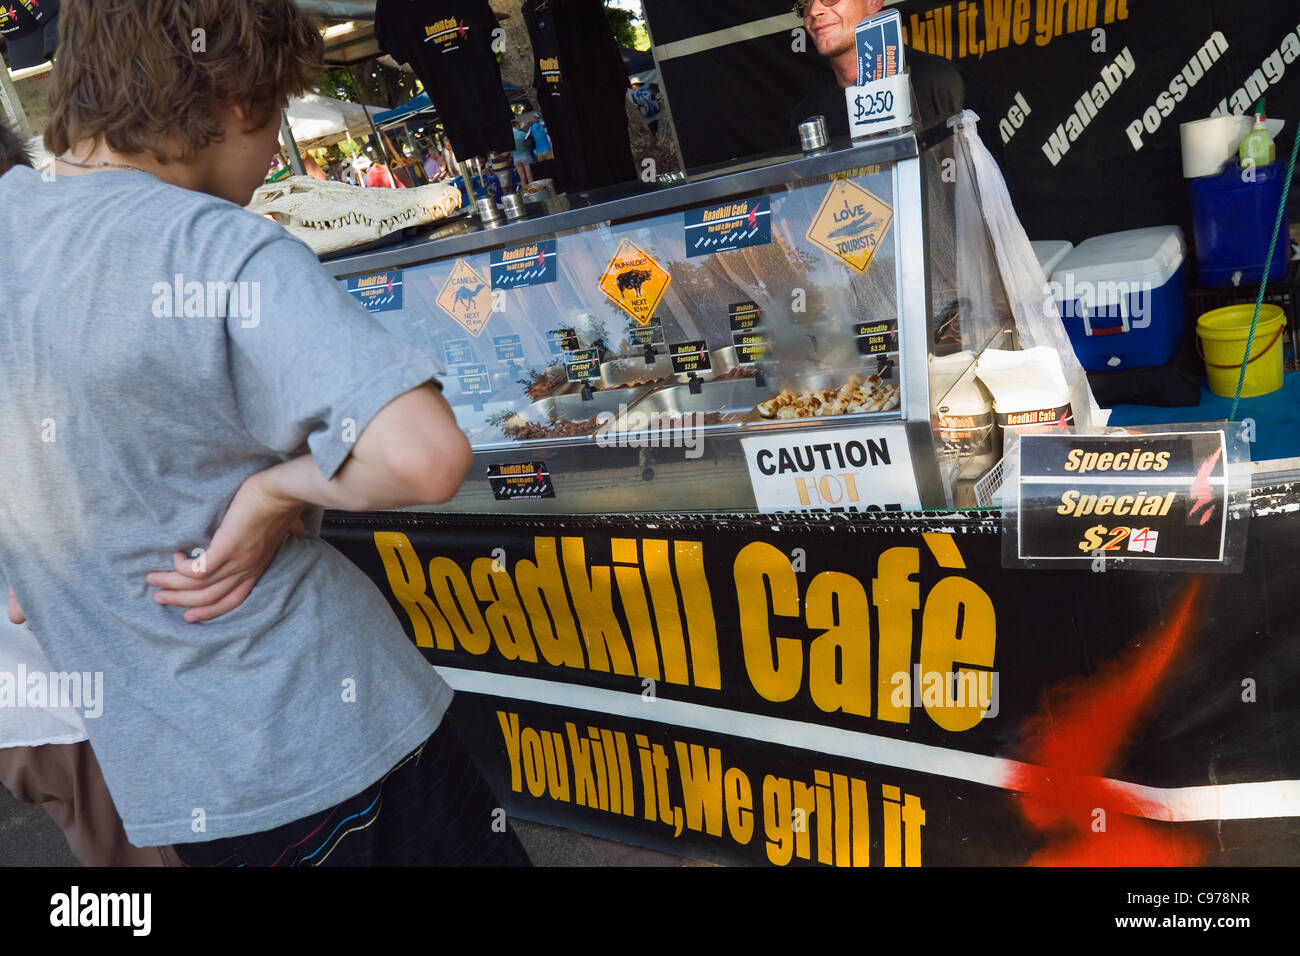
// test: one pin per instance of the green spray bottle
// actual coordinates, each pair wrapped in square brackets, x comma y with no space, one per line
[1258,148]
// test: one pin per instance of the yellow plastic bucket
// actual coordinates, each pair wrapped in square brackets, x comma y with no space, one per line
[1221,339]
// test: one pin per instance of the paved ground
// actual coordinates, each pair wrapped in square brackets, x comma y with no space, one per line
[29,838]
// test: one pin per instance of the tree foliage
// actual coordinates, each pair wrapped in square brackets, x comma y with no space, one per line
[629,28]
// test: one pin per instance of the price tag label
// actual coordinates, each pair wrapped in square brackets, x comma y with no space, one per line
[879,106]
[474,379]
[650,335]
[1136,498]
[561,341]
[751,347]
[743,316]
[583,364]
[509,348]
[458,352]
[876,338]
[689,357]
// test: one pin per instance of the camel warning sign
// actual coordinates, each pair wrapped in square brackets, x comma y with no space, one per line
[635,281]
[466,297]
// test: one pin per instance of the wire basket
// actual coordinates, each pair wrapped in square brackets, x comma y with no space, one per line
[988,488]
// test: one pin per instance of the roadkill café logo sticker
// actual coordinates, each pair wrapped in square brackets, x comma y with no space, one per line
[466,297]
[850,223]
[635,282]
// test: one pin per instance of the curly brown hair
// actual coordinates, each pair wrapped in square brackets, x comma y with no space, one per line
[146,76]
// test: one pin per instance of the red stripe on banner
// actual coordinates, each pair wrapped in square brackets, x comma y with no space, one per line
[1078,735]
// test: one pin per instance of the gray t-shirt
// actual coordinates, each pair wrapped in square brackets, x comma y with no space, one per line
[133,403]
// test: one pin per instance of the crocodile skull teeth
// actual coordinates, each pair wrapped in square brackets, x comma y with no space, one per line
[330,216]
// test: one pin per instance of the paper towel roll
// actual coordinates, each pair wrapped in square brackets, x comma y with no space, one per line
[1209,143]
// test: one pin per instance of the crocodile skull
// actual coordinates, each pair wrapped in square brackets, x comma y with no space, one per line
[330,216]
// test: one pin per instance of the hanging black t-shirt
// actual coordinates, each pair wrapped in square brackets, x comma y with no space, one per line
[558,106]
[587,42]
[581,84]
[448,44]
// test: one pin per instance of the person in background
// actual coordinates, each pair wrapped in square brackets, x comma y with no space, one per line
[379,176]
[646,99]
[45,757]
[936,83]
[523,154]
[433,167]
[449,159]
[312,167]
[360,166]
[542,150]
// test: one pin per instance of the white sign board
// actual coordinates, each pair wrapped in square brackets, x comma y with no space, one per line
[842,469]
[880,106]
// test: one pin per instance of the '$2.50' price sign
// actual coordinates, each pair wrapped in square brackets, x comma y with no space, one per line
[1101,538]
[866,105]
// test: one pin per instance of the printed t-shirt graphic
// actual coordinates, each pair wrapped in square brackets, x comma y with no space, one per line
[449,45]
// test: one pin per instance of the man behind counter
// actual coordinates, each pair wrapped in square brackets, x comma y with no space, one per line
[938,86]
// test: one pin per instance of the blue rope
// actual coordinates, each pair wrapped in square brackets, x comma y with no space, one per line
[1268,264]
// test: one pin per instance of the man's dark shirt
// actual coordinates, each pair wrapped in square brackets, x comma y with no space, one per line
[936,83]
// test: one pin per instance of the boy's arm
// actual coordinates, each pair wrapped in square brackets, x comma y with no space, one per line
[411,453]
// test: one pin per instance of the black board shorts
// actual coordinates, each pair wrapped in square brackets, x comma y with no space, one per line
[432,809]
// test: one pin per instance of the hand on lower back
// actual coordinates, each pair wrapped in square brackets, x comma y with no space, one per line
[216,580]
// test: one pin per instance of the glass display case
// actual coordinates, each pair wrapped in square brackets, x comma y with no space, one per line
[637,352]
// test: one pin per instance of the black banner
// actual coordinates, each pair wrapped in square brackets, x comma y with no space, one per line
[870,689]
[1080,100]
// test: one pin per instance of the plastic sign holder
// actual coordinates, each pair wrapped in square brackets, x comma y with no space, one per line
[880,106]
[1156,498]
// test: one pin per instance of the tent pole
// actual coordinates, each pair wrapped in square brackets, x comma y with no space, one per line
[373,128]
[291,146]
